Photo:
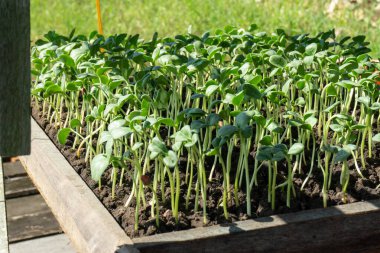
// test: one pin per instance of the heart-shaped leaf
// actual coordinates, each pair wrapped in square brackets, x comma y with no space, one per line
[98,165]
[277,61]
[63,134]
[296,149]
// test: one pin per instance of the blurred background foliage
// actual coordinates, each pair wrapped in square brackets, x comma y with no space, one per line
[168,18]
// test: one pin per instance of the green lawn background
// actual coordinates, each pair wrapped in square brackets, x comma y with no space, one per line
[172,17]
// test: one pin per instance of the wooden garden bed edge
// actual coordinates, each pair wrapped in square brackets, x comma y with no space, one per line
[92,229]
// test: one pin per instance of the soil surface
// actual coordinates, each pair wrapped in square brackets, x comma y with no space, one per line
[310,197]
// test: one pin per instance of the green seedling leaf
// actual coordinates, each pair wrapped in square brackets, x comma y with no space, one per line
[197,124]
[212,152]
[137,146]
[296,149]
[350,147]
[170,159]
[277,61]
[226,131]
[342,155]
[211,89]
[116,124]
[332,107]
[337,128]
[264,153]
[194,139]
[279,152]
[165,121]
[74,123]
[300,102]
[376,138]
[243,118]
[358,127]
[266,140]
[244,69]
[286,86]
[330,148]
[98,165]
[311,49]
[246,131]
[238,98]
[67,60]
[272,153]
[308,60]
[109,108]
[256,80]
[375,106]
[260,120]
[104,137]
[157,146]
[331,91]
[63,134]
[275,128]
[183,135]
[312,121]
[119,132]
[212,119]
[109,147]
[347,84]
[252,91]
[194,112]
[364,100]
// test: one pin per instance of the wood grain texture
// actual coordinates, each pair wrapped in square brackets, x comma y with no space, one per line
[14,77]
[3,219]
[29,217]
[18,187]
[13,169]
[349,228]
[81,215]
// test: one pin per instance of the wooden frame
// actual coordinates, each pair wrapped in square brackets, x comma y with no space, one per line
[92,229]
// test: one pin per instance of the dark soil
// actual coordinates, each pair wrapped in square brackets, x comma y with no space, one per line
[359,189]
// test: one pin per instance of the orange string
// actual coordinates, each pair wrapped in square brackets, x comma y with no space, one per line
[100,26]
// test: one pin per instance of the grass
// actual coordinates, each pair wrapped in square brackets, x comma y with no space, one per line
[172,17]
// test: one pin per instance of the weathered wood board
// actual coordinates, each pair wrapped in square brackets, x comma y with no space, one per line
[14,77]
[13,169]
[81,215]
[30,217]
[349,228]
[19,186]
[3,217]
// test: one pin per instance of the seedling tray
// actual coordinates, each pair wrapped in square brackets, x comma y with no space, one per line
[91,228]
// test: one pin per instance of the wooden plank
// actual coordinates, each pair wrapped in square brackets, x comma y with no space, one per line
[18,187]
[52,244]
[14,77]
[13,169]
[81,215]
[28,227]
[342,229]
[30,217]
[3,220]
[26,206]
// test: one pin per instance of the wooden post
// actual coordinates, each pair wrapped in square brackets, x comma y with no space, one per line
[14,77]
